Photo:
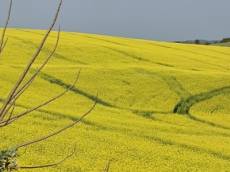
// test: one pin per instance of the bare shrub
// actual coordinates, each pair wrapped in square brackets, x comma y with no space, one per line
[8,158]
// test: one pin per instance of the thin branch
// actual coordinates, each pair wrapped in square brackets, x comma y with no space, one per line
[31,62]
[8,121]
[22,84]
[107,167]
[41,105]
[12,103]
[49,165]
[11,114]
[2,42]
[4,45]
[58,131]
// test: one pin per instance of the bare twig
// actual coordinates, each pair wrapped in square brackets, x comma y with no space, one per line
[12,103]
[4,45]
[58,131]
[2,40]
[7,115]
[10,116]
[49,165]
[107,167]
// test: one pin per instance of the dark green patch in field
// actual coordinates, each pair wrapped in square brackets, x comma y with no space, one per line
[184,105]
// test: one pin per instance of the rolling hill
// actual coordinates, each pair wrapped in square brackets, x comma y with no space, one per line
[161,106]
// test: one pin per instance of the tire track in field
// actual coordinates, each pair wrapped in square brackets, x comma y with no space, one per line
[125,53]
[53,113]
[184,106]
[139,58]
[32,32]
[167,142]
[184,50]
[175,86]
[203,62]
[187,99]
[192,148]
[104,40]
[56,81]
[150,115]
[186,57]
[215,51]
[194,118]
[47,51]
[193,52]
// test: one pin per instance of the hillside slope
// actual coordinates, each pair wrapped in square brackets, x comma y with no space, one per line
[162,106]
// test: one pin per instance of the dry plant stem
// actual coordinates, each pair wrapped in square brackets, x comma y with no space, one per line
[48,165]
[31,62]
[18,116]
[2,42]
[7,115]
[12,103]
[58,131]
[4,45]
[107,167]
[11,114]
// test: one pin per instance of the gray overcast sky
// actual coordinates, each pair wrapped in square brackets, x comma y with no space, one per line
[150,19]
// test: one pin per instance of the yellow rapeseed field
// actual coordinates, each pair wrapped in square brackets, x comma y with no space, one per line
[162,106]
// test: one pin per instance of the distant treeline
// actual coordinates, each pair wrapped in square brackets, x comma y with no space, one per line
[205,42]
